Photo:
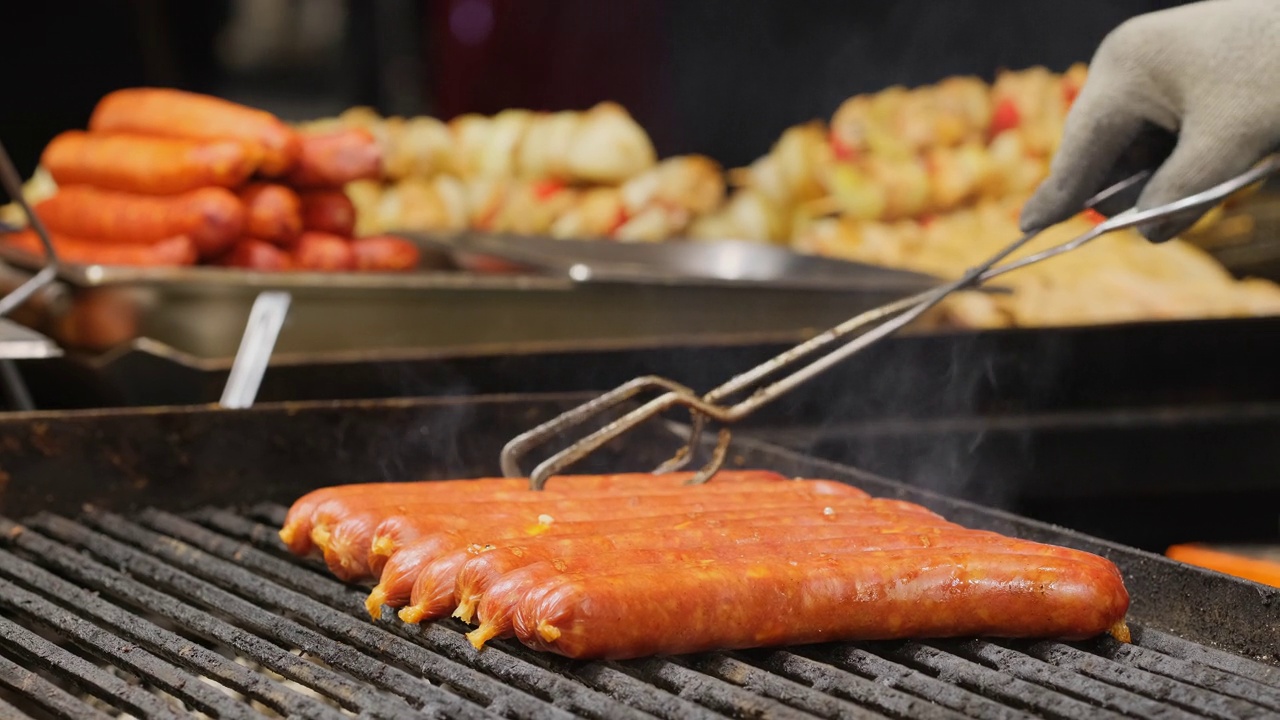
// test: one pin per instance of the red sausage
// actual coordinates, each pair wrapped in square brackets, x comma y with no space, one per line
[178,114]
[385,253]
[274,213]
[212,217]
[257,255]
[333,503]
[790,597]
[324,252]
[174,251]
[333,159]
[147,165]
[329,211]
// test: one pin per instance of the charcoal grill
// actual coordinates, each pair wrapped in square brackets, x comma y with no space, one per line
[169,594]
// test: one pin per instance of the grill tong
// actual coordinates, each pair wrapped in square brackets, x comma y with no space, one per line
[891,317]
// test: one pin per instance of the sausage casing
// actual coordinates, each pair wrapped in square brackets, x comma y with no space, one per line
[332,503]
[147,165]
[254,254]
[399,528]
[385,253]
[178,114]
[328,211]
[323,252]
[755,525]
[787,599]
[333,159]
[212,217]
[274,213]
[170,252]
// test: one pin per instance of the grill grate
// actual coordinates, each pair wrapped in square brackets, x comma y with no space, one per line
[159,616]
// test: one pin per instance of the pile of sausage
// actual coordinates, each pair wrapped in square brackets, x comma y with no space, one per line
[165,177]
[623,566]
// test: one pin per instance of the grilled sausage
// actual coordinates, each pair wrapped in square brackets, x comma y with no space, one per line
[385,253]
[333,503]
[333,159]
[437,586]
[496,608]
[170,252]
[398,529]
[328,211]
[147,165]
[501,557]
[274,213]
[257,255]
[178,114]
[395,566]
[794,598]
[324,252]
[212,217]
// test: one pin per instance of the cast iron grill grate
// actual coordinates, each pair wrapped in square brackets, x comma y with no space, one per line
[157,615]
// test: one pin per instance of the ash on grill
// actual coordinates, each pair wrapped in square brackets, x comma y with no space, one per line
[157,615]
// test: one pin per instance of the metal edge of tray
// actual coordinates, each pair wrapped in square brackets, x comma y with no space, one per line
[671,263]
[449,264]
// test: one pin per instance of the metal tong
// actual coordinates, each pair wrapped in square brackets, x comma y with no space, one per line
[892,316]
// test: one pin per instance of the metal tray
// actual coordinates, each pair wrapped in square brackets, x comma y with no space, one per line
[201,312]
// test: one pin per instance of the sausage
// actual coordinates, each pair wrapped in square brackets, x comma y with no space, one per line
[274,213]
[179,114]
[497,607]
[257,255]
[332,503]
[328,211]
[385,253]
[170,252]
[212,217]
[793,598]
[437,585]
[324,252]
[147,165]
[333,159]
[394,566]
[501,557]
[381,533]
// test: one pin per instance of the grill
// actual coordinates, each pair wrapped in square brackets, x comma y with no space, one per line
[144,607]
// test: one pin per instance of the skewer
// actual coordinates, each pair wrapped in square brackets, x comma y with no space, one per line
[892,316]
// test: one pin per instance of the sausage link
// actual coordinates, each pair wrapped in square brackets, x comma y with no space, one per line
[257,255]
[772,524]
[333,159]
[179,114]
[274,213]
[333,503]
[438,585]
[396,569]
[328,211]
[385,253]
[170,252]
[497,607]
[401,527]
[793,599]
[323,252]
[147,165]
[212,217]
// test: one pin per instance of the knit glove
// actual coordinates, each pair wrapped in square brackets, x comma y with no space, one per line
[1207,72]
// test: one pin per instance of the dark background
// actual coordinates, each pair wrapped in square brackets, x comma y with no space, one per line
[723,77]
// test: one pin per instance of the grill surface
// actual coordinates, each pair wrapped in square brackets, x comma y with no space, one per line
[208,613]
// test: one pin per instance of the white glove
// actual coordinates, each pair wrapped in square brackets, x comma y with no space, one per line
[1208,71]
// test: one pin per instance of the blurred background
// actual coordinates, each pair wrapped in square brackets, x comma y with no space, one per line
[718,77]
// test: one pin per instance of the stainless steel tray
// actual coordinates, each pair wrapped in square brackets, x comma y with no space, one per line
[202,311]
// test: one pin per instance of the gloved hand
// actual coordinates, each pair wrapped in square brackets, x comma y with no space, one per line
[1208,71]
